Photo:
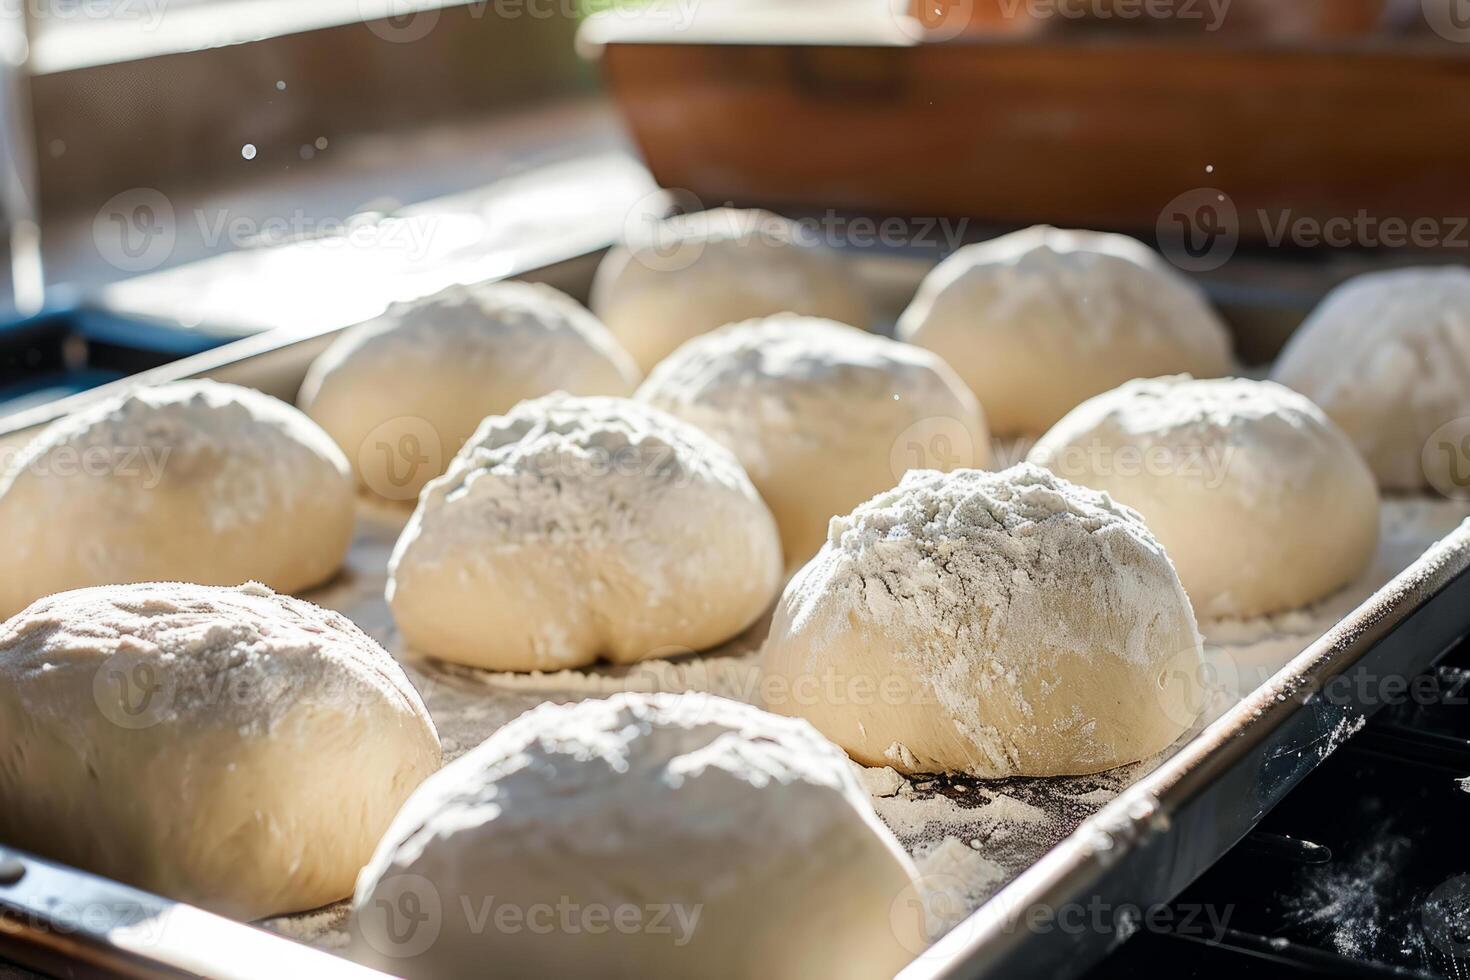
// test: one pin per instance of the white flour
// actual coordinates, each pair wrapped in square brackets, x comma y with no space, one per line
[525,331]
[969,837]
[973,561]
[252,449]
[789,379]
[587,471]
[1386,355]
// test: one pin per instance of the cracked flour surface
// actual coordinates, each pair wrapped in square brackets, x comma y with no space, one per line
[969,837]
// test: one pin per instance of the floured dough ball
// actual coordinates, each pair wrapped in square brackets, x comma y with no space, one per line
[996,624]
[1261,502]
[821,415]
[574,529]
[1040,320]
[643,836]
[402,393]
[194,481]
[229,748]
[1387,357]
[696,272]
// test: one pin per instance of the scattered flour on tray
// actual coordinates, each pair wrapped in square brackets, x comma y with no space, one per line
[969,837]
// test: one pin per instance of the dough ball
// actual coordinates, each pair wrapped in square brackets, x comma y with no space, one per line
[194,481]
[996,624]
[821,415]
[1262,503]
[230,748]
[643,836]
[402,393]
[696,272]
[578,528]
[1387,357]
[1040,320]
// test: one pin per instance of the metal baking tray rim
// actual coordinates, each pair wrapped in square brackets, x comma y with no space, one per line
[990,942]
[1108,855]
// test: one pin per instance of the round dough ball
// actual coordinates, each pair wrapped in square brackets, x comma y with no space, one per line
[1387,357]
[230,748]
[194,481]
[1261,502]
[642,836]
[402,393]
[995,624]
[704,270]
[1040,320]
[578,528]
[821,415]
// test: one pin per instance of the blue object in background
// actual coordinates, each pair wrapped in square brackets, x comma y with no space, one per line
[62,351]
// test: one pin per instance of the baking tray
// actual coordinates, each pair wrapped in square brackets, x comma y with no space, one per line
[1132,838]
